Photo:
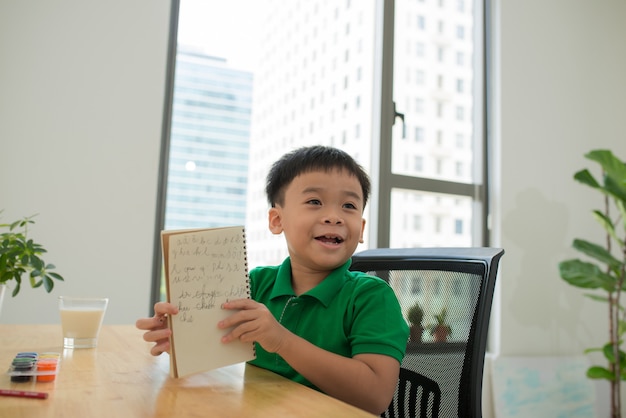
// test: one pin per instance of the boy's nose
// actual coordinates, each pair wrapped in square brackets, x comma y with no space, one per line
[332,218]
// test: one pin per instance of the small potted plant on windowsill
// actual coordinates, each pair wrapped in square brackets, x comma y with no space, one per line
[441,329]
[415,316]
[20,255]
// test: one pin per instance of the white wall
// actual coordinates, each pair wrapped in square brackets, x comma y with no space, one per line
[81,105]
[563,90]
[561,68]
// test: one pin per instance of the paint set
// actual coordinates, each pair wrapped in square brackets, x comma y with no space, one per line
[29,366]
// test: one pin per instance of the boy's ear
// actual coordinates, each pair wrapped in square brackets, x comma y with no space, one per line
[275,221]
[362,231]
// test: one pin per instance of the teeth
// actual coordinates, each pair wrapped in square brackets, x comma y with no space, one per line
[336,240]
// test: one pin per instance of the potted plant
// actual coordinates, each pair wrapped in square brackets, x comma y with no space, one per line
[415,316]
[20,255]
[605,266]
[441,329]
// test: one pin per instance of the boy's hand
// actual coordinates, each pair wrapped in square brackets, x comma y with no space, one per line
[157,328]
[253,322]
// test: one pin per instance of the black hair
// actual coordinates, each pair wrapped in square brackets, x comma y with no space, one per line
[307,159]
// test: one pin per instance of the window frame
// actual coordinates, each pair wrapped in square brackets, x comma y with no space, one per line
[384,178]
[384,116]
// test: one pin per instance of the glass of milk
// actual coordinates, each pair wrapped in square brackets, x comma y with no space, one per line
[81,319]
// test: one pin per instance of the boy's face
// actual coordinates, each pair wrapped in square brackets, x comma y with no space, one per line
[322,219]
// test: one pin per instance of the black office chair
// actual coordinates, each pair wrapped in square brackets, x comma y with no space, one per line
[459,282]
[414,390]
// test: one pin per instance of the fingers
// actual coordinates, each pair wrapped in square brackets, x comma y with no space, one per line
[162,347]
[158,321]
[245,308]
[165,308]
[161,338]
[244,332]
[156,336]
[157,327]
[240,304]
[150,323]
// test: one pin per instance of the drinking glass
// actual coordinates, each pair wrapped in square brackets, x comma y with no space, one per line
[81,319]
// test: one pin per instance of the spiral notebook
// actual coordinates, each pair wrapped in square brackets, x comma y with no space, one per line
[203,269]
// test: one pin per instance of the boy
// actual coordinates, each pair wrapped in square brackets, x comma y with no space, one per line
[312,319]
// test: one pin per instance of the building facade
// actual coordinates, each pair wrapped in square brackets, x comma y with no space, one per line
[209,144]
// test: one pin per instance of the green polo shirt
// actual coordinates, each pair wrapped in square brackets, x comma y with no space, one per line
[348,313]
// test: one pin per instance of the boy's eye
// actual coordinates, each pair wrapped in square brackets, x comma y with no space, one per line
[349,206]
[314,202]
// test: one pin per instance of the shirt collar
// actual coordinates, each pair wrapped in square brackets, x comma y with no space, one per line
[324,292]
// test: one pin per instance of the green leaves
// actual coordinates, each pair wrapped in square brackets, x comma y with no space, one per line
[599,253]
[614,172]
[604,271]
[20,255]
[608,226]
[599,372]
[614,178]
[586,275]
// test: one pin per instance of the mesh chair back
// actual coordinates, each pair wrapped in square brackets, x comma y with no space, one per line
[414,391]
[459,282]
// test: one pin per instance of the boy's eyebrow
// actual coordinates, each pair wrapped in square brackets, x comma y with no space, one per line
[350,193]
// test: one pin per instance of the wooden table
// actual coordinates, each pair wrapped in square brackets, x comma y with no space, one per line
[120,378]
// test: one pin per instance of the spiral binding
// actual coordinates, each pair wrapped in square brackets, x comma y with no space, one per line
[246,272]
[245,262]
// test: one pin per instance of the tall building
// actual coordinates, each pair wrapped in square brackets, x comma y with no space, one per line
[434,86]
[314,85]
[208,156]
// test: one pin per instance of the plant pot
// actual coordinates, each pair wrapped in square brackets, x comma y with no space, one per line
[416,333]
[3,290]
[441,334]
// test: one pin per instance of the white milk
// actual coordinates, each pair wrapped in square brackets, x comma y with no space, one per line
[81,323]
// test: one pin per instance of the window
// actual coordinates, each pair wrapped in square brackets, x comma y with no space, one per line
[460,143]
[419,77]
[460,32]
[416,285]
[460,113]
[419,105]
[241,98]
[417,222]
[458,226]
[459,168]
[419,49]
[421,22]
[419,134]
[418,163]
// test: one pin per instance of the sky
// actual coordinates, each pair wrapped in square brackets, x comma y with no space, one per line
[221,28]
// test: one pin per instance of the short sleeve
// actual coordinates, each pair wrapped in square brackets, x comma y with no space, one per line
[378,325]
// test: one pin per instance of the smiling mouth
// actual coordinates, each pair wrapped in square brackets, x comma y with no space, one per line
[330,239]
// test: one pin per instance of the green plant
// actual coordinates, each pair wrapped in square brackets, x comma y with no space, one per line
[20,255]
[415,314]
[441,325]
[607,269]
